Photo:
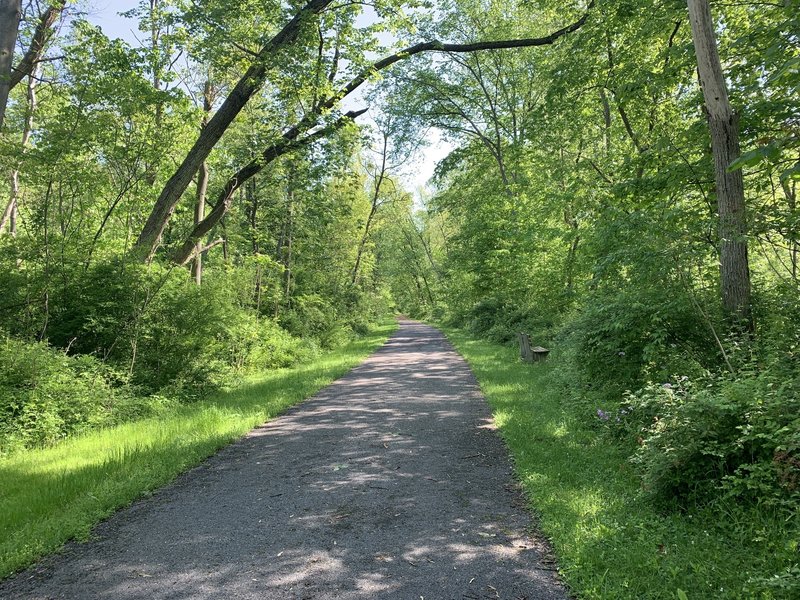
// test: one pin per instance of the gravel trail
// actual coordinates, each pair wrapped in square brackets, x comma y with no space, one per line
[389,483]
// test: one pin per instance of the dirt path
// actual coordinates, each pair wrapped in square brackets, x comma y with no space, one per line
[390,483]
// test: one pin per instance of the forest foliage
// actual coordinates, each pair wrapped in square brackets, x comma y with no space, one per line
[580,205]
[205,204]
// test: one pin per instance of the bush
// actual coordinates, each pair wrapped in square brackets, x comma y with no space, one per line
[46,395]
[313,317]
[737,435]
[620,340]
[274,347]
[154,324]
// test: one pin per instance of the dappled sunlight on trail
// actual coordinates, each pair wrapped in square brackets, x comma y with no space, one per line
[390,483]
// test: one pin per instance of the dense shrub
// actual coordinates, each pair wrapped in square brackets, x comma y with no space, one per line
[621,340]
[160,329]
[137,339]
[46,395]
[697,438]
[271,346]
[313,317]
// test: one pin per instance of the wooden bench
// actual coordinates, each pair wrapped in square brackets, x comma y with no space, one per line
[530,353]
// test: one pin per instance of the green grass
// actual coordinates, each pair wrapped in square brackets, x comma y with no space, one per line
[610,541]
[49,496]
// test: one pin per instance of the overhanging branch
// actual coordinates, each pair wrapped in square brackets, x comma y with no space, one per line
[287,143]
[251,82]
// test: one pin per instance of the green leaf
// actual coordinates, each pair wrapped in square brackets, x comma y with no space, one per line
[792,173]
[769,152]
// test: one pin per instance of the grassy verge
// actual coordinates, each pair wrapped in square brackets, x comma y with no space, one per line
[611,543]
[52,495]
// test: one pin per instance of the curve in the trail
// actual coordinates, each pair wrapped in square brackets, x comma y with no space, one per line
[389,483]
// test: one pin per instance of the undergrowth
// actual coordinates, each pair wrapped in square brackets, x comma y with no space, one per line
[611,539]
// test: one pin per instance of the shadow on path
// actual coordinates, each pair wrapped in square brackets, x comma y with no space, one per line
[389,483]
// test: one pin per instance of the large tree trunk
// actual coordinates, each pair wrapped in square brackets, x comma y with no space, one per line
[723,124]
[246,87]
[10,14]
[33,55]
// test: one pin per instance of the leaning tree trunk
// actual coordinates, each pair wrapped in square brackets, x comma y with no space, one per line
[41,36]
[723,124]
[10,13]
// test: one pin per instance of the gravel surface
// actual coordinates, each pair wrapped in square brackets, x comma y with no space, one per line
[389,483]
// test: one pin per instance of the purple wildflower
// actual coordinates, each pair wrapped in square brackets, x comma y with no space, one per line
[602,415]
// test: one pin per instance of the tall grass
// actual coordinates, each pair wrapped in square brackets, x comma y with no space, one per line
[610,541]
[49,496]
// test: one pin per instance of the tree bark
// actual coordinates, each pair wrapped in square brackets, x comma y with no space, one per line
[253,79]
[225,198]
[199,215]
[246,87]
[723,125]
[12,209]
[10,14]
[202,189]
[38,42]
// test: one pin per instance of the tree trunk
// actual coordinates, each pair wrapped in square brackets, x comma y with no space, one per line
[252,225]
[38,42]
[287,248]
[202,189]
[723,124]
[252,213]
[790,191]
[373,209]
[244,89]
[10,14]
[199,215]
[12,209]
[606,121]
